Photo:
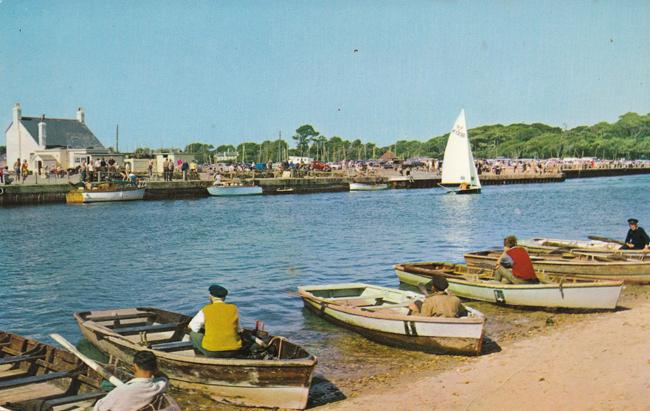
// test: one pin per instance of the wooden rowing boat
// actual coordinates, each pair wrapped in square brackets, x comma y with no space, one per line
[478,284]
[558,246]
[577,264]
[32,372]
[279,377]
[381,314]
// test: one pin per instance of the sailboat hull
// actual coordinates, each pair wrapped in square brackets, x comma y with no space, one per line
[469,191]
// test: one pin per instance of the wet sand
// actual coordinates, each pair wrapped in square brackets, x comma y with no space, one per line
[354,373]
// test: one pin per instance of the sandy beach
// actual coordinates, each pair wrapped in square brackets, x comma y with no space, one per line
[599,363]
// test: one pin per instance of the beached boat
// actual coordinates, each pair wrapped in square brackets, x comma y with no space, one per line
[478,284]
[368,186]
[105,192]
[542,244]
[381,314]
[32,372]
[458,167]
[577,264]
[279,377]
[233,189]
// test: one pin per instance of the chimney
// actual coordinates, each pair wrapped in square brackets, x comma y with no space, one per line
[42,134]
[18,113]
[81,115]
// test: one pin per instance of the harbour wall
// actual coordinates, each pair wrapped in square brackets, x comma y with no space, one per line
[18,194]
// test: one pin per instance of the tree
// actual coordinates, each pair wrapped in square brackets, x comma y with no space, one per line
[303,136]
[202,152]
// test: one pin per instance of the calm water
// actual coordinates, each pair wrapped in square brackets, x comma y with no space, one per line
[59,259]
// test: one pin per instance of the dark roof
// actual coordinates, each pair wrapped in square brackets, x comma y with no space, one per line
[63,133]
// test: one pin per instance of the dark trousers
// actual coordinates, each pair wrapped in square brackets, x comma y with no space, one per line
[197,342]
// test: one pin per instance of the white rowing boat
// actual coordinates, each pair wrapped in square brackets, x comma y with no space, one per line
[368,186]
[381,314]
[478,284]
[225,190]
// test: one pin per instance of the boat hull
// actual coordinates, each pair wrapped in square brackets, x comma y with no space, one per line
[437,335]
[367,187]
[244,382]
[631,272]
[234,191]
[104,196]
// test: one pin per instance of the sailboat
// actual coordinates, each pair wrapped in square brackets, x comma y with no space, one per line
[458,168]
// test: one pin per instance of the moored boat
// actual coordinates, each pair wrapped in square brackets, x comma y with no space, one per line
[368,186]
[279,377]
[225,189]
[551,292]
[34,372]
[381,314]
[104,192]
[577,264]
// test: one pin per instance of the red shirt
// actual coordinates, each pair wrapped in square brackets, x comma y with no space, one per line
[522,267]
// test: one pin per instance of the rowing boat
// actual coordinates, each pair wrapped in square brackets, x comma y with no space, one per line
[368,186]
[551,292]
[32,373]
[279,377]
[381,314]
[577,264]
[554,245]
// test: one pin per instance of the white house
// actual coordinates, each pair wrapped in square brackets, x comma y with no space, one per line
[44,141]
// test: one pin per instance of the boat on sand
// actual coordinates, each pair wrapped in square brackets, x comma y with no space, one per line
[34,373]
[278,377]
[577,264]
[381,314]
[477,283]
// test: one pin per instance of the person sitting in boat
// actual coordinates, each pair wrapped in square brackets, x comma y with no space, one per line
[636,238]
[221,323]
[139,392]
[437,301]
[464,186]
[514,265]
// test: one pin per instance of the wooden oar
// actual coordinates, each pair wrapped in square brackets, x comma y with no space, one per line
[605,239]
[91,363]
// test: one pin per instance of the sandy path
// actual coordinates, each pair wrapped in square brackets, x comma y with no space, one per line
[602,363]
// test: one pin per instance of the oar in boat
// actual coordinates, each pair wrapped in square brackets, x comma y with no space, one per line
[605,239]
[91,363]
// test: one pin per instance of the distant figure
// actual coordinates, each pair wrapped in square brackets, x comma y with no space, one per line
[514,265]
[221,323]
[185,167]
[24,170]
[17,169]
[437,302]
[150,169]
[140,391]
[636,238]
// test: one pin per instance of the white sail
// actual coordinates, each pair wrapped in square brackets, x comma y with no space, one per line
[458,165]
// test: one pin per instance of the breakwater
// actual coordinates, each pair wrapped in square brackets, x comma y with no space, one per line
[19,194]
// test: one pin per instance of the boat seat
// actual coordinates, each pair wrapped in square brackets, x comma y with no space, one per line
[148,328]
[36,379]
[172,346]
[120,317]
[387,306]
[357,302]
[18,358]
[71,399]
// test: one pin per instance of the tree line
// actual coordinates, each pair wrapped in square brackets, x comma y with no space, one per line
[628,137]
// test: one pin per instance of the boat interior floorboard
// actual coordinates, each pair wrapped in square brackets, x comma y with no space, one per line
[29,392]
[14,373]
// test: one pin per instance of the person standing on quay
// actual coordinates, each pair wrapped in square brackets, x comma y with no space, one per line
[171,170]
[636,238]
[24,170]
[150,169]
[17,169]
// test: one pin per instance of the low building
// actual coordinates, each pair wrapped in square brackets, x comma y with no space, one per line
[53,142]
[226,156]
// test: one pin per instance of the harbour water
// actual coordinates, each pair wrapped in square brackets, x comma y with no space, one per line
[58,259]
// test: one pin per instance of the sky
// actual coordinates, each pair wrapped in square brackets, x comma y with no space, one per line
[222,72]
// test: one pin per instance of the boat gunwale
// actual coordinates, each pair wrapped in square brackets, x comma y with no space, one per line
[534,286]
[477,318]
[543,260]
[119,339]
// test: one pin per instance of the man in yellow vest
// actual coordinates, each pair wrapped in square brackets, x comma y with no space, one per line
[221,323]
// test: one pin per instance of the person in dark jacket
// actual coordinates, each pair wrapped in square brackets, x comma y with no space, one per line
[636,238]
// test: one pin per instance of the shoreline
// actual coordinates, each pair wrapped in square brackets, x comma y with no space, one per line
[597,362]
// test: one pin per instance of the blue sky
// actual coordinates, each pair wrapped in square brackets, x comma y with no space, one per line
[222,72]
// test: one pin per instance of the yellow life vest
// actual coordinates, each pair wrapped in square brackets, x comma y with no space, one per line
[221,327]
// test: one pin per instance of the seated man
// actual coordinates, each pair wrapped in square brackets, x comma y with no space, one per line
[437,302]
[140,391]
[514,265]
[221,322]
[636,238]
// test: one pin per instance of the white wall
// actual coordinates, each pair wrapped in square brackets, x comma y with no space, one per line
[28,146]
